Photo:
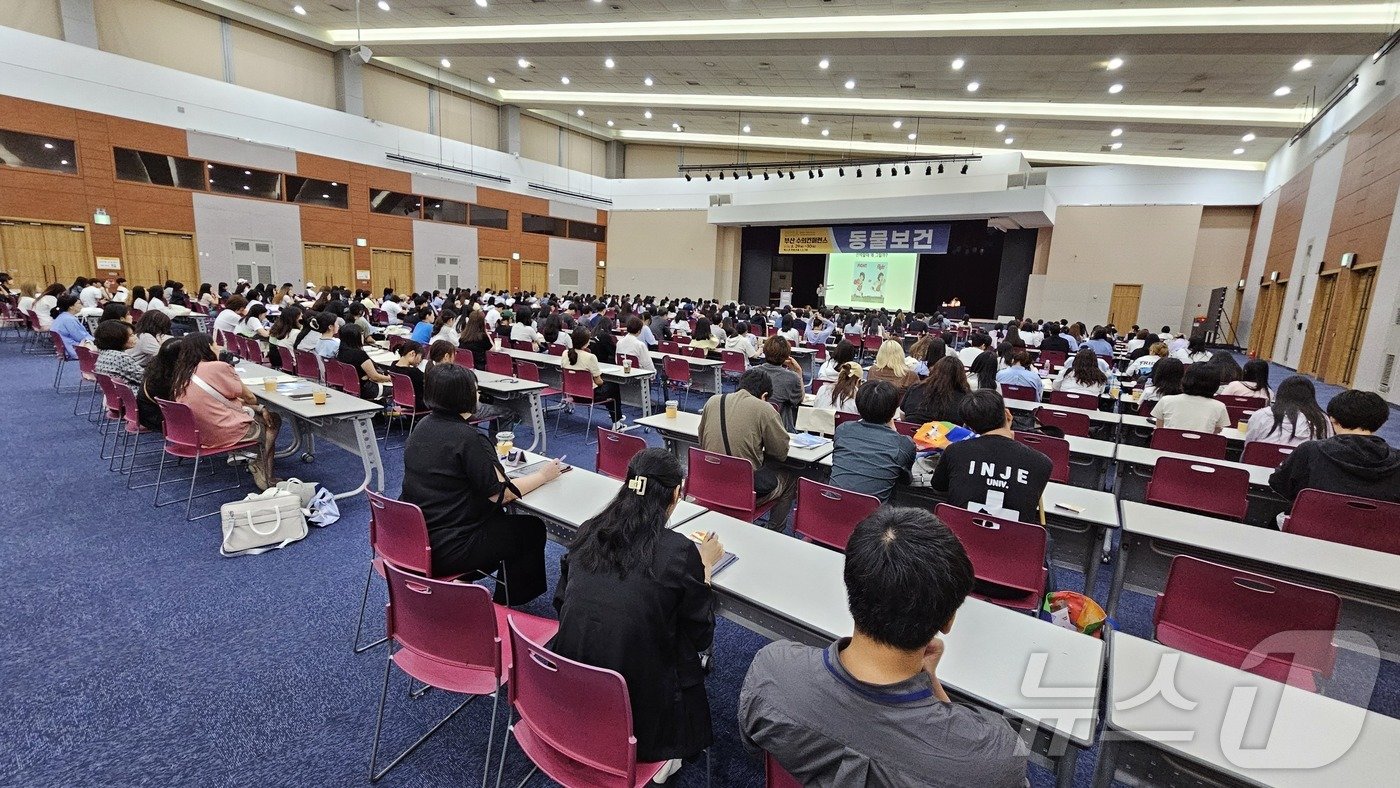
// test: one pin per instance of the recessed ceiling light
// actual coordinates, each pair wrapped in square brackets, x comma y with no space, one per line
[48,146]
[709,64]
[481,3]
[973,86]
[1116,145]
[823,64]
[850,84]
[1116,87]
[647,114]
[491,79]
[247,172]
[1001,127]
[564,80]
[333,183]
[747,129]
[1248,137]
[1238,151]
[898,123]
[1114,63]
[957,64]
[1302,65]
[609,63]
[63,161]
[579,112]
[648,82]
[806,120]
[610,124]
[383,6]
[523,63]
[445,63]
[1009,140]
[249,188]
[325,196]
[1283,91]
[913,136]
[676,126]
[299,10]
[826,132]
[1116,133]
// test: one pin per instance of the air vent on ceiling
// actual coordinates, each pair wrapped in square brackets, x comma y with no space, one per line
[1105,149]
[1193,90]
[1176,148]
[1385,372]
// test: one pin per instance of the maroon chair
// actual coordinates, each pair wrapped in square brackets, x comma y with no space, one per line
[1200,444]
[1269,455]
[1057,449]
[615,450]
[1013,391]
[871,344]
[1348,519]
[87,373]
[286,359]
[724,484]
[550,695]
[668,347]
[130,436]
[183,442]
[1241,408]
[1008,556]
[521,344]
[1224,614]
[395,340]
[636,360]
[854,339]
[1145,407]
[379,317]
[1052,358]
[1182,484]
[110,415]
[308,365]
[499,363]
[1072,399]
[555,349]
[775,776]
[1076,424]
[335,376]
[844,416]
[529,370]
[678,375]
[691,351]
[252,350]
[828,515]
[906,428]
[404,402]
[578,386]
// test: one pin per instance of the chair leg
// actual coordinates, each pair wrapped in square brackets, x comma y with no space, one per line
[189,501]
[491,733]
[383,698]
[160,469]
[355,646]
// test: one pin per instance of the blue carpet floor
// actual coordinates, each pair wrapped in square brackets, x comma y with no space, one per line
[133,654]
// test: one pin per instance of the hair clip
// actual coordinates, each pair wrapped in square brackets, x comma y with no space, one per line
[638,484]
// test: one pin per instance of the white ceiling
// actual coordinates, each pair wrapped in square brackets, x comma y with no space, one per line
[1028,75]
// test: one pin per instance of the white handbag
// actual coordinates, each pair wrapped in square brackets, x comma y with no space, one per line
[268,520]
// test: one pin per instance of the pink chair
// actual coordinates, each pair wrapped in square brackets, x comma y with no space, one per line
[528,370]
[1269,455]
[521,344]
[775,776]
[1360,522]
[336,376]
[183,442]
[1072,399]
[405,403]
[379,317]
[871,344]
[578,386]
[448,636]
[286,359]
[1008,556]
[636,361]
[724,484]
[131,430]
[1241,408]
[554,349]
[668,347]
[1013,391]
[1199,444]
[828,515]
[678,375]
[551,696]
[615,450]
[690,351]
[1145,407]
[110,415]
[87,373]
[252,351]
[308,365]
[499,363]
[1057,449]
[1052,358]
[1076,424]
[1224,614]
[1180,483]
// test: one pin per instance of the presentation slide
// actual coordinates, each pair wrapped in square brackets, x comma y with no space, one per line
[872,280]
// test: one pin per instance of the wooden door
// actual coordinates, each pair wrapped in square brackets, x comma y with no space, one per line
[1123,307]
[1351,326]
[44,253]
[390,268]
[600,281]
[1269,331]
[153,257]
[1319,324]
[328,266]
[534,276]
[493,274]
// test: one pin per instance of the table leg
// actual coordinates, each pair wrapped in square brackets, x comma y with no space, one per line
[1091,559]
[541,440]
[1064,767]
[1120,573]
[719,380]
[645,386]
[369,455]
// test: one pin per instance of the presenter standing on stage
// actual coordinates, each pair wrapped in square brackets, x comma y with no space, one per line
[821,296]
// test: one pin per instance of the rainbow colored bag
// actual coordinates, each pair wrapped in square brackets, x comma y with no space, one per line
[939,435]
[1073,610]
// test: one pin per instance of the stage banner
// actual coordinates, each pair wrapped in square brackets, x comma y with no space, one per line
[927,238]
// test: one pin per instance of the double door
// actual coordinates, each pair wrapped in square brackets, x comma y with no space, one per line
[328,266]
[154,257]
[43,253]
[390,268]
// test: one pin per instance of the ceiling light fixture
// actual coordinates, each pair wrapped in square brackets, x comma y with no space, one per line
[906,169]
[820,174]
[806,120]
[721,175]
[383,6]
[609,63]
[299,10]
[823,64]
[841,171]
[1116,133]
[811,173]
[964,169]
[490,79]
[580,112]
[747,129]
[687,177]
[1116,87]
[913,136]
[765,175]
[564,80]
[445,63]
[735,173]
[791,175]
[1115,146]
[958,63]
[1248,137]
[878,172]
[894,172]
[897,123]
[1238,151]
[928,170]
[826,132]
[523,63]
[1001,127]
[1114,64]
[749,173]
[1009,140]
[647,114]
[940,168]
[610,124]
[1302,65]
[857,172]
[850,84]
[648,82]
[708,178]
[481,3]
[63,161]
[1283,91]
[48,146]
[325,196]
[973,86]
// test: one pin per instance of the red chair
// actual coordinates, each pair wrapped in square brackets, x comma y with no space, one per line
[1200,444]
[1052,358]
[906,428]
[286,359]
[1008,556]
[379,317]
[398,534]
[854,339]
[1076,424]
[110,415]
[578,386]
[1225,614]
[1145,407]
[528,370]
[404,401]
[1013,391]
[499,363]
[1057,449]
[1360,522]
[448,636]
[87,373]
[615,450]
[131,431]
[668,347]
[636,361]
[691,351]
[1241,408]
[521,344]
[775,776]
[724,484]
[871,344]
[183,442]
[395,340]
[252,350]
[551,695]
[308,365]
[1072,399]
[1183,484]
[336,376]
[678,375]
[555,349]
[828,515]
[844,416]
[1269,455]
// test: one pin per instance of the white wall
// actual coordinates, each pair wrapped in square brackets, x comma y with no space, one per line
[431,239]
[579,256]
[1312,243]
[684,263]
[441,187]
[1140,185]
[1382,335]
[218,220]
[228,150]
[1259,257]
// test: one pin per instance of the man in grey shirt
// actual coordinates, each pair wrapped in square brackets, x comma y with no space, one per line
[870,456]
[869,710]
[787,378]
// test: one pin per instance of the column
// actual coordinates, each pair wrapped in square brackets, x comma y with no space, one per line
[79,22]
[349,83]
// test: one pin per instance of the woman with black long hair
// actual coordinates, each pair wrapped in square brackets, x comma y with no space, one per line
[939,397]
[1253,381]
[1083,375]
[983,372]
[578,356]
[1166,379]
[1294,416]
[634,597]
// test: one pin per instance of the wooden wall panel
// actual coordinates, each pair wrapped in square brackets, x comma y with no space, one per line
[1366,195]
[1288,222]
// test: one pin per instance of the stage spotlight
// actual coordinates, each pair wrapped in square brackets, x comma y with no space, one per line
[750,174]
[721,174]
[894,172]
[928,170]
[940,168]
[841,171]
[687,177]
[792,176]
[857,172]
[820,174]
[707,177]
[765,175]
[878,172]
[811,175]
[906,169]
[736,175]
[964,169]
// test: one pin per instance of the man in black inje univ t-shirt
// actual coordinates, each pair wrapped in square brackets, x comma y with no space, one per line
[992,473]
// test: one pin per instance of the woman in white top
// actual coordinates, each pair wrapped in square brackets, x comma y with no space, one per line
[523,330]
[446,327]
[1293,418]
[253,327]
[841,395]
[1196,408]
[578,357]
[26,297]
[842,354]
[45,304]
[152,330]
[1194,353]
[1142,365]
[1253,382]
[1082,375]
[1165,380]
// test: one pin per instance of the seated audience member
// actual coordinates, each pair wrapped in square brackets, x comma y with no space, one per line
[374,385]
[1196,407]
[889,366]
[977,344]
[476,338]
[869,709]
[1292,418]
[114,339]
[1194,352]
[252,326]
[1145,363]
[1056,341]
[1228,371]
[422,331]
[67,327]
[602,344]
[1139,341]
[743,424]
[631,344]
[844,353]
[1165,381]
[992,473]
[786,375]
[1020,373]
[226,322]
[1354,461]
[152,331]
[155,384]
[452,473]
[933,351]
[440,352]
[225,411]
[634,597]
[359,315]
[869,456]
[983,372]
[113,310]
[328,343]
[841,395]
[1082,375]
[392,307]
[1253,382]
[523,330]
[1100,344]
[744,341]
[939,396]
[579,357]
[819,330]
[703,337]
[409,364]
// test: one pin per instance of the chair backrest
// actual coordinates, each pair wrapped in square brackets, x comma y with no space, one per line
[906,428]
[775,776]
[1348,519]
[720,482]
[58,347]
[286,359]
[1181,483]
[110,400]
[734,361]
[399,534]
[521,344]
[1223,614]
[379,317]
[615,450]
[308,366]
[828,515]
[405,397]
[87,360]
[552,694]
[1070,423]
[1145,407]
[577,383]
[694,352]
[130,410]
[180,427]
[1013,391]
[636,360]
[1074,399]
[1008,556]
[677,369]
[1200,444]
[872,342]
[395,340]
[336,376]
[528,370]
[1057,449]
[451,624]
[499,363]
[844,416]
[1269,455]
[252,351]
[1052,358]
[555,349]
[667,346]
[854,339]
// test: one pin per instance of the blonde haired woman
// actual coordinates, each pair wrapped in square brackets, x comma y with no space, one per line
[1142,365]
[889,366]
